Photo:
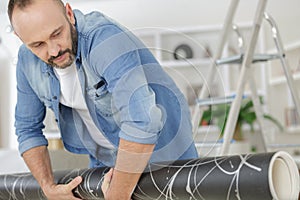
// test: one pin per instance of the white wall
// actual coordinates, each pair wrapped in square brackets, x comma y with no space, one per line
[177,13]
[8,45]
[6,96]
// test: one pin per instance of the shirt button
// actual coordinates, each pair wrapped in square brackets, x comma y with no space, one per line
[54,97]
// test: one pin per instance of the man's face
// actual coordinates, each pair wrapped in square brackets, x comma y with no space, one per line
[47,31]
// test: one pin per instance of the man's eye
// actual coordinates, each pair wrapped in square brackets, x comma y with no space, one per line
[37,45]
[56,34]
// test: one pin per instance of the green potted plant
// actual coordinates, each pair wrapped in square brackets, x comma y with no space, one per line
[218,114]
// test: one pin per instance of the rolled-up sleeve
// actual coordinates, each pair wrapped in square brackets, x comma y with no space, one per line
[140,117]
[29,114]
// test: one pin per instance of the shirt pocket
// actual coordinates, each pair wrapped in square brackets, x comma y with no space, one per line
[102,98]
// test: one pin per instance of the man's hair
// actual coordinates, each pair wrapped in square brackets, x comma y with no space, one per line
[21,4]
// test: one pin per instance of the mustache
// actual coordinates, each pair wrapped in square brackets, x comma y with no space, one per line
[52,58]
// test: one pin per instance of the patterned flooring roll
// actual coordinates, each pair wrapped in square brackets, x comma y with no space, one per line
[253,176]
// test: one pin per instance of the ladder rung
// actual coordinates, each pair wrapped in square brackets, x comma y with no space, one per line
[238,59]
[216,100]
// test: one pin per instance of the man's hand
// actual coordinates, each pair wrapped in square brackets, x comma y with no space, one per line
[108,192]
[106,182]
[38,161]
[62,192]
[119,183]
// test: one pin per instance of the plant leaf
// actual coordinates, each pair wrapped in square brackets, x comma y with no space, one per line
[275,121]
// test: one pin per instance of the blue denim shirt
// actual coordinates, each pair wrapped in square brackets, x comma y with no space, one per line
[128,95]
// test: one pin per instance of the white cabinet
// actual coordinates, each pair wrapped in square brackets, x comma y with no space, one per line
[186,54]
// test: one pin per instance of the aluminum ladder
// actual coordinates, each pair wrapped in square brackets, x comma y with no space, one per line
[246,73]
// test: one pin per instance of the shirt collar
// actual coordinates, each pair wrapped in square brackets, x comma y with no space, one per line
[78,25]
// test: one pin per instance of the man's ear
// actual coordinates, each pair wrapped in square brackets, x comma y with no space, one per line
[70,14]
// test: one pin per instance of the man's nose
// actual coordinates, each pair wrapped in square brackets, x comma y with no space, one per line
[53,48]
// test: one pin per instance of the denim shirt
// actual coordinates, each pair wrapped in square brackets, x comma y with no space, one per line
[128,95]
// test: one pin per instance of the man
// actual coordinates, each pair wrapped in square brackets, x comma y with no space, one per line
[110,97]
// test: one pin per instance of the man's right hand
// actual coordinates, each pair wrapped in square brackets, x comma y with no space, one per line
[62,192]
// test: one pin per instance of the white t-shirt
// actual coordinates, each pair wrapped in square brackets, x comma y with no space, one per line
[71,96]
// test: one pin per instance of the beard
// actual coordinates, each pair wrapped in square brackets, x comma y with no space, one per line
[72,52]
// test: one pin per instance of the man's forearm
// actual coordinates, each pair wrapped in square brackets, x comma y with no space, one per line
[38,161]
[131,161]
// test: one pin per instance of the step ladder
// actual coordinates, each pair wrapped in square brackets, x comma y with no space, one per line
[246,74]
